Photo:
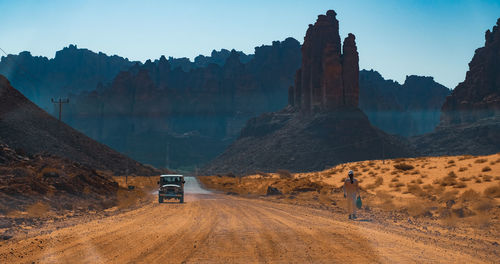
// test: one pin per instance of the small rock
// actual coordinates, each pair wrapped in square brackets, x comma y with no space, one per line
[273,191]
[495,243]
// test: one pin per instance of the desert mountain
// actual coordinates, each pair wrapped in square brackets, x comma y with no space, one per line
[408,109]
[29,129]
[170,117]
[470,119]
[322,126]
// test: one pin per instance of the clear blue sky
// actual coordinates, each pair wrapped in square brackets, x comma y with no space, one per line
[395,37]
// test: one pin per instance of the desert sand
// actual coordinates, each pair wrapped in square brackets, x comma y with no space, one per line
[238,223]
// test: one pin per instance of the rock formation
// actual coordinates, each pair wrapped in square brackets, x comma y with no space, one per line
[327,85]
[408,109]
[479,95]
[329,77]
[470,119]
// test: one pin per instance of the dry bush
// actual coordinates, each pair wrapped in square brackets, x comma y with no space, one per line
[415,172]
[487,178]
[379,181]
[452,174]
[48,172]
[284,174]
[404,166]
[462,169]
[394,172]
[465,178]
[480,220]
[366,169]
[478,180]
[451,161]
[480,160]
[415,190]
[493,191]
[460,185]
[483,205]
[395,179]
[466,157]
[419,181]
[485,169]
[469,196]
[497,178]
[418,209]
[38,209]
[371,164]
[398,184]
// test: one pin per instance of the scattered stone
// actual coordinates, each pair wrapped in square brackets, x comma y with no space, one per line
[273,191]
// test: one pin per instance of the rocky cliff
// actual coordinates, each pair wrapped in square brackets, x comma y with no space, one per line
[407,109]
[72,70]
[167,116]
[322,126]
[478,96]
[470,119]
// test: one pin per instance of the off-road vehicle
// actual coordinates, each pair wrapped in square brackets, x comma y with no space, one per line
[171,186]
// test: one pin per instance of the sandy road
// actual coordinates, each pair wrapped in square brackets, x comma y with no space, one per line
[216,228]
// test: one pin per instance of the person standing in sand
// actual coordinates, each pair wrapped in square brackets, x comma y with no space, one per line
[351,192]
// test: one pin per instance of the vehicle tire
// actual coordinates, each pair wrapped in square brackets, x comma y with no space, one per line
[160,199]
[181,200]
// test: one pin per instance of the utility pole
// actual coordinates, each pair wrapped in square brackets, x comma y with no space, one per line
[60,102]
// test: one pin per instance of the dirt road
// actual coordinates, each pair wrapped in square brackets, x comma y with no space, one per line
[217,228]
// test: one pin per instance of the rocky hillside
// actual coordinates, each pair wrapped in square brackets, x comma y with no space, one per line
[470,120]
[412,108]
[322,126]
[29,129]
[170,117]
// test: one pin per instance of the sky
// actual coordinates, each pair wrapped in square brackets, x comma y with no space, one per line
[395,37]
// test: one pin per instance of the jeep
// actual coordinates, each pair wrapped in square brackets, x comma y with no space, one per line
[171,186]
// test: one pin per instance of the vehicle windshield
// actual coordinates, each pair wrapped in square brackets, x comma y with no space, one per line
[166,180]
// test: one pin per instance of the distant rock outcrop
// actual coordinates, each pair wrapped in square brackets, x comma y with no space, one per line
[479,95]
[328,78]
[26,127]
[322,126]
[470,120]
[166,116]
[410,109]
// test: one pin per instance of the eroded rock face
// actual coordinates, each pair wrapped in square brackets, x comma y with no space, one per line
[328,78]
[479,95]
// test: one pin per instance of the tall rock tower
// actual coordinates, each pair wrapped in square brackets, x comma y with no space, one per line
[328,78]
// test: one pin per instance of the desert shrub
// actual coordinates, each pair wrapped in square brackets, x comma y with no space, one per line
[49,172]
[483,205]
[462,169]
[451,161]
[379,181]
[38,209]
[398,184]
[485,169]
[493,191]
[415,172]
[395,179]
[284,174]
[469,195]
[497,178]
[419,181]
[394,172]
[480,160]
[460,185]
[487,178]
[478,180]
[403,166]
[466,157]
[465,179]
[415,189]
[449,180]
[371,163]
